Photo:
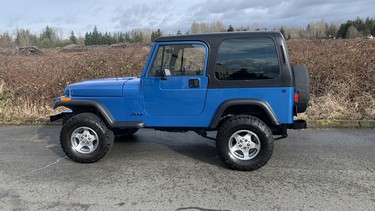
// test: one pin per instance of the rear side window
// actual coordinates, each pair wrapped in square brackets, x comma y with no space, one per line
[247,59]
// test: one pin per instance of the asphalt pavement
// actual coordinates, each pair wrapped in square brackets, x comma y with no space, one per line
[326,169]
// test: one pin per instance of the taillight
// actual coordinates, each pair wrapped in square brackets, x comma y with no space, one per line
[296,98]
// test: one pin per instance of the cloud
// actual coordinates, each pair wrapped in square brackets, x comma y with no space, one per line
[259,4]
[161,14]
[276,13]
[170,16]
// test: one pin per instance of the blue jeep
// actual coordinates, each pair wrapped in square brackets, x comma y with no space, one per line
[240,84]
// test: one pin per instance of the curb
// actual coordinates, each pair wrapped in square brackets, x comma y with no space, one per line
[340,123]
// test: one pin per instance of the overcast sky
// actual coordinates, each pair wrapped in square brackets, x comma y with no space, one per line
[172,15]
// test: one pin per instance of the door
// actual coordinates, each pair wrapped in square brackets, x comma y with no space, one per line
[175,84]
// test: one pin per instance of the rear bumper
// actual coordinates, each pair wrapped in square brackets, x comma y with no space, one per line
[299,124]
[283,130]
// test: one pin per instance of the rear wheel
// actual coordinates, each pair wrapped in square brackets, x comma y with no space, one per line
[244,143]
[85,138]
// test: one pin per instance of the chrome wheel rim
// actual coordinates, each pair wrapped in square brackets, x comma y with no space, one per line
[244,145]
[84,140]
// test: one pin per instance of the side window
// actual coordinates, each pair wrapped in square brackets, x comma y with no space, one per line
[179,60]
[247,59]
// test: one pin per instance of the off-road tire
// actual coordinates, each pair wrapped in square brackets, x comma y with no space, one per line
[253,125]
[90,122]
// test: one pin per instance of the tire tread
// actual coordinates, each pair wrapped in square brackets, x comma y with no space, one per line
[88,118]
[238,121]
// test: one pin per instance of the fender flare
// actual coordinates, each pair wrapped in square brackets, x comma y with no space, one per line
[103,111]
[250,101]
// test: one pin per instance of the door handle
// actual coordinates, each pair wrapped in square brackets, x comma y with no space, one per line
[194,83]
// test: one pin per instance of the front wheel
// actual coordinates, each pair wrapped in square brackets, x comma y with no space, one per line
[85,138]
[244,143]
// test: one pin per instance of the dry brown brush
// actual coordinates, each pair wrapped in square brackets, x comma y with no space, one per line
[342,74]
[28,84]
[342,77]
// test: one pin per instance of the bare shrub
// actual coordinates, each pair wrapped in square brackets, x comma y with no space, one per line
[342,77]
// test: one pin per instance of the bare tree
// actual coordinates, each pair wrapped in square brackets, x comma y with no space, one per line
[317,29]
[6,40]
[25,38]
[204,27]
[353,32]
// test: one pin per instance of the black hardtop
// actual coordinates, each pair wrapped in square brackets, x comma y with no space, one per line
[214,39]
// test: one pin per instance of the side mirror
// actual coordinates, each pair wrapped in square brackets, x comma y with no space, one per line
[165,72]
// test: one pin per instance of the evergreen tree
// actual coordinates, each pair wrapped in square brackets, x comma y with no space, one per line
[120,38]
[96,37]
[358,23]
[364,28]
[127,37]
[331,30]
[73,38]
[88,39]
[48,38]
[136,37]
[106,39]
[155,35]
[341,33]
[230,29]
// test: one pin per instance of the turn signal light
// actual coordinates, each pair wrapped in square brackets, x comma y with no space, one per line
[65,99]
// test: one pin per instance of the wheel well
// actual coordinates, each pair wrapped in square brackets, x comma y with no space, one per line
[253,110]
[89,109]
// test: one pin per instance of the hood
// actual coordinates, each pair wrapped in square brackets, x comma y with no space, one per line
[109,87]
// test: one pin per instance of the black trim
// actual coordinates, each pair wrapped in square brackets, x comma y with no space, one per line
[101,108]
[264,105]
